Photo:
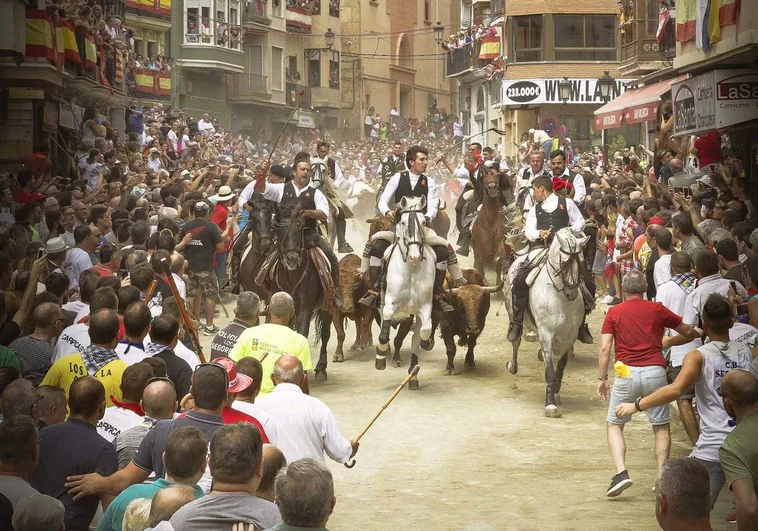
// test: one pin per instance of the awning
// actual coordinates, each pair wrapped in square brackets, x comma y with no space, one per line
[633,106]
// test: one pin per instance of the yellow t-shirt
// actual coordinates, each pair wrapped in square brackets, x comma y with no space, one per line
[64,371]
[276,340]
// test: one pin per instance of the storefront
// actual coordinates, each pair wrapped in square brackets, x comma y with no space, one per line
[536,103]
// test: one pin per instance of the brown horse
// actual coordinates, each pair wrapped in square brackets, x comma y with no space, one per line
[352,287]
[441,223]
[488,232]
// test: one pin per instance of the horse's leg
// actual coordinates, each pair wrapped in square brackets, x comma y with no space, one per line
[424,325]
[339,327]
[402,332]
[363,327]
[450,350]
[559,375]
[413,384]
[470,361]
[513,364]
[325,322]
[551,409]
[382,349]
[303,322]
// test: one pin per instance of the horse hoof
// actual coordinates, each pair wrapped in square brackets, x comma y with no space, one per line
[530,337]
[512,367]
[461,341]
[449,371]
[320,374]
[353,348]
[426,345]
[339,358]
[540,356]
[413,385]
[471,364]
[557,399]
[397,363]
[551,411]
[380,364]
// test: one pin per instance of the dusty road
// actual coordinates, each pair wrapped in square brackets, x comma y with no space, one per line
[474,451]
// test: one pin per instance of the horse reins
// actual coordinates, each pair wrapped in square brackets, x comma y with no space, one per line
[413,229]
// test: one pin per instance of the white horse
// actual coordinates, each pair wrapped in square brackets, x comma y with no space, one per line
[555,311]
[410,273]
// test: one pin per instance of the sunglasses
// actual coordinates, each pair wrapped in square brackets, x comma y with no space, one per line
[162,379]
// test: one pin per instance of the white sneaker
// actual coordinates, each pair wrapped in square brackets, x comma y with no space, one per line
[606,300]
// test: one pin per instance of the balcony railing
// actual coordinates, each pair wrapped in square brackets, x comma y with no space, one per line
[150,84]
[297,93]
[256,11]
[667,46]
[638,42]
[249,87]
[465,59]
[146,7]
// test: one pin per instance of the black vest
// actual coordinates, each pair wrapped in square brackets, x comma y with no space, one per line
[390,167]
[332,165]
[553,221]
[404,188]
[306,200]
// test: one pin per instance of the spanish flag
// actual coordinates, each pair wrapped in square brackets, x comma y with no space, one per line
[164,6]
[490,48]
[90,53]
[146,5]
[162,84]
[118,78]
[39,34]
[70,48]
[686,20]
[145,81]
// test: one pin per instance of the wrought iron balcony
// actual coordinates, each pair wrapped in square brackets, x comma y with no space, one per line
[249,87]
[296,92]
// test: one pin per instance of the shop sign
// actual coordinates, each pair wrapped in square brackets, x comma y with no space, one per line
[539,91]
[306,120]
[715,100]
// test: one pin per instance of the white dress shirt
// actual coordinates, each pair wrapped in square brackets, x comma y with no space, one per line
[580,190]
[266,420]
[522,183]
[662,270]
[462,175]
[707,286]
[205,127]
[389,193]
[310,426]
[275,192]
[77,260]
[576,221]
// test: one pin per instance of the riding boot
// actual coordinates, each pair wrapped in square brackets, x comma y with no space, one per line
[342,245]
[464,240]
[371,298]
[584,334]
[439,292]
[236,262]
[520,300]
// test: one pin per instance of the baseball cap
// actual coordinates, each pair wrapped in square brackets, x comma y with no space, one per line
[238,382]
[202,206]
[657,220]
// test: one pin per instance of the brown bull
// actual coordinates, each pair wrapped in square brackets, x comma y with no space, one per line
[472,303]
[352,287]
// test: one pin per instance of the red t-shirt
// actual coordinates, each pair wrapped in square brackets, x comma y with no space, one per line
[102,270]
[220,215]
[637,326]
[708,149]
[231,416]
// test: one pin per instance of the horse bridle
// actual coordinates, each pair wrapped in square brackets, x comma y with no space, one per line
[416,232]
[564,266]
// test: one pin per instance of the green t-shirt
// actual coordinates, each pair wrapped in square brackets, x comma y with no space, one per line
[276,340]
[8,359]
[739,453]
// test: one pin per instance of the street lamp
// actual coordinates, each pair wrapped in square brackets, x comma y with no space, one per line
[329,38]
[564,93]
[439,30]
[606,84]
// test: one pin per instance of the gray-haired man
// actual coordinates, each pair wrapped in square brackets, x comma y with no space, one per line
[245,316]
[305,496]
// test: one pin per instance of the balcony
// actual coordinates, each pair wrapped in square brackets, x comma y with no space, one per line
[639,47]
[299,17]
[297,93]
[325,97]
[150,85]
[256,12]
[247,88]
[220,50]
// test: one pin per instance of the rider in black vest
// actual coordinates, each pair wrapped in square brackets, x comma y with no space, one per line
[335,173]
[549,214]
[399,186]
[394,163]
[313,208]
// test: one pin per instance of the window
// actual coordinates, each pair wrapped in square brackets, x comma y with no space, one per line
[427,10]
[278,6]
[585,38]
[313,67]
[465,14]
[293,75]
[334,70]
[404,52]
[527,38]
[334,8]
[277,65]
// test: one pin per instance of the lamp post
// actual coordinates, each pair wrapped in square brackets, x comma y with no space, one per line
[329,35]
[605,85]
[439,31]
[564,93]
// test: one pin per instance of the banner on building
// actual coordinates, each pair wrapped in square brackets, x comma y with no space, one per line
[90,53]
[490,47]
[144,80]
[67,31]
[544,91]
[715,100]
[702,20]
[162,84]
[39,34]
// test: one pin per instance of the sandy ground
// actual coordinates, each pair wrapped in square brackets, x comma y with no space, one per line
[474,451]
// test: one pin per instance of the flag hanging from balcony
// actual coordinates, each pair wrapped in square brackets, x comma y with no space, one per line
[70,48]
[118,77]
[686,16]
[164,7]
[664,17]
[490,47]
[39,34]
[145,81]
[146,5]
[90,53]
[162,84]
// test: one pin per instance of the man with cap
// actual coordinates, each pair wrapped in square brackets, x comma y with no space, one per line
[334,172]
[221,217]
[154,161]
[394,163]
[56,254]
[200,240]
[238,382]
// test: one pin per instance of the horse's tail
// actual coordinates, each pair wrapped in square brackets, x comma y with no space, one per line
[319,326]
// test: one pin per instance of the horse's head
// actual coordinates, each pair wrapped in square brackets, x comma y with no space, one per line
[261,222]
[318,174]
[291,241]
[567,243]
[409,228]
[490,180]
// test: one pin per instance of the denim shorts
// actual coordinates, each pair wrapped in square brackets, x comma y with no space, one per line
[642,381]
[598,266]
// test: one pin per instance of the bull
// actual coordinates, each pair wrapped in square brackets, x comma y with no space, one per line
[352,287]
[472,303]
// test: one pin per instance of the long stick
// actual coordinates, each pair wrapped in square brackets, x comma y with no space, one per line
[183,310]
[279,137]
[412,374]
[472,136]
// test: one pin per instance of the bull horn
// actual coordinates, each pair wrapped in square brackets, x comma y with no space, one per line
[493,289]
[454,291]
[372,220]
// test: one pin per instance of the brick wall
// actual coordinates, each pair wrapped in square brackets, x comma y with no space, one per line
[16,133]
[575,7]
[556,70]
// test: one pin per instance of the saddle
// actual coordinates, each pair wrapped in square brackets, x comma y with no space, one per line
[537,258]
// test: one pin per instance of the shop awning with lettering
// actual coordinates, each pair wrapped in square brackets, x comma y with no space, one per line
[633,106]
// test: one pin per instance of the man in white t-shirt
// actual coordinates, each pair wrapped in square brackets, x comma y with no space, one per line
[245,400]
[86,238]
[173,140]
[128,413]
[75,338]
[204,125]
[662,270]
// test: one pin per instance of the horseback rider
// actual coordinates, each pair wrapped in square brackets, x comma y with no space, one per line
[314,208]
[334,172]
[468,173]
[409,183]
[394,163]
[558,168]
[524,192]
[549,214]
